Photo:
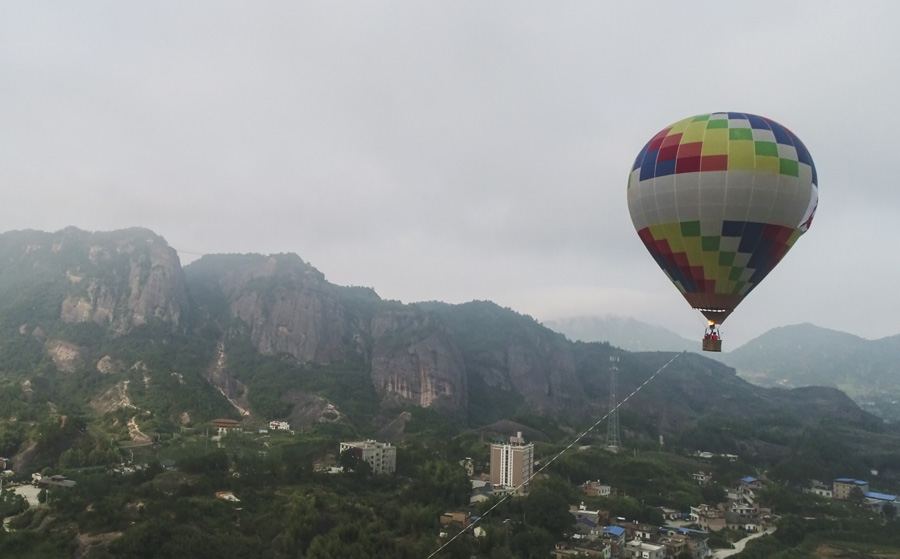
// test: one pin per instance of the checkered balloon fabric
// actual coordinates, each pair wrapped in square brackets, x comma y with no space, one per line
[718,199]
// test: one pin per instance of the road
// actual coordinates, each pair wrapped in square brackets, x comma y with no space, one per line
[739,545]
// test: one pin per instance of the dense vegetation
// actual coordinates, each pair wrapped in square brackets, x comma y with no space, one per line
[137,399]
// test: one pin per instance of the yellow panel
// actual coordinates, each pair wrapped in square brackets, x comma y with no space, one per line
[715,142]
[658,231]
[722,283]
[767,163]
[693,248]
[680,126]
[673,236]
[694,132]
[741,156]
[710,264]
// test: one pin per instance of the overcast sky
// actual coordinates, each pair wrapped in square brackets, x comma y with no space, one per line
[452,150]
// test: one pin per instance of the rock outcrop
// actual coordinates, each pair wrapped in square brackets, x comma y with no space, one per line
[416,362]
[126,282]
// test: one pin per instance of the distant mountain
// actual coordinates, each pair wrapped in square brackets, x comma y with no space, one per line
[623,332]
[105,336]
[807,355]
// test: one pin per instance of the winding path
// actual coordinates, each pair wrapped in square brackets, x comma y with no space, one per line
[739,545]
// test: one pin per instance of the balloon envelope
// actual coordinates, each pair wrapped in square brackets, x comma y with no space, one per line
[718,200]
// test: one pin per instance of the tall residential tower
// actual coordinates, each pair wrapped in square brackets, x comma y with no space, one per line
[512,464]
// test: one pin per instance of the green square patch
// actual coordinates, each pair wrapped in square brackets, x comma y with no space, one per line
[735,274]
[726,258]
[767,148]
[720,123]
[788,167]
[700,118]
[740,134]
[709,244]
[690,228]
[738,287]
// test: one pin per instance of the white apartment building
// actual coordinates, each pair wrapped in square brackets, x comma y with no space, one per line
[382,457]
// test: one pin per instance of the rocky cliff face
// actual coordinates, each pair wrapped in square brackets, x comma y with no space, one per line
[119,279]
[127,282]
[287,307]
[416,362]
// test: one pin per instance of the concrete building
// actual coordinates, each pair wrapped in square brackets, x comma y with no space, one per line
[382,457]
[843,486]
[638,549]
[512,464]
[226,425]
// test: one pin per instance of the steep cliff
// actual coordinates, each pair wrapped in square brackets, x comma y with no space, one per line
[416,362]
[286,307]
[525,367]
[119,280]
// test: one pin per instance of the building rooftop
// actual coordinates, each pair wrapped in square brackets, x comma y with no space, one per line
[851,480]
[881,496]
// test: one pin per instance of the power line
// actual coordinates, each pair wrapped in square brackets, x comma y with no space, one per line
[560,453]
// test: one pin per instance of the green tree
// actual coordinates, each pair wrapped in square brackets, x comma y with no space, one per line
[791,530]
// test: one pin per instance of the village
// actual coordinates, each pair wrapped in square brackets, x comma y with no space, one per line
[512,470]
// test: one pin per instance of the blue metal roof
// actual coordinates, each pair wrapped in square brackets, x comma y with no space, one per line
[881,496]
[614,530]
[749,479]
[683,530]
[851,480]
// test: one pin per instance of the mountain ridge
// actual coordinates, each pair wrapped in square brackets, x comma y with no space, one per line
[262,337]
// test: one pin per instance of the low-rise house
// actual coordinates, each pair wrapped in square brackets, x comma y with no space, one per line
[583,549]
[55,481]
[461,519]
[615,536]
[639,549]
[750,484]
[587,528]
[702,477]
[226,425]
[877,501]
[818,488]
[696,540]
[596,489]
[670,514]
[279,426]
[481,491]
[746,523]
[675,544]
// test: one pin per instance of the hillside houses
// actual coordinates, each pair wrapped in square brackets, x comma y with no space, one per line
[849,489]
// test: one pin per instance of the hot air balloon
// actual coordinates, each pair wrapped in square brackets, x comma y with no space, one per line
[718,199]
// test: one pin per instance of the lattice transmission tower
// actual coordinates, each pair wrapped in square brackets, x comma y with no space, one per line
[612,425]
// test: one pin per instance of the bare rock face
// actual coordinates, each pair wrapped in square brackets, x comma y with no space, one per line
[234,390]
[286,306]
[107,365]
[127,278]
[289,308]
[115,398]
[66,356]
[416,362]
